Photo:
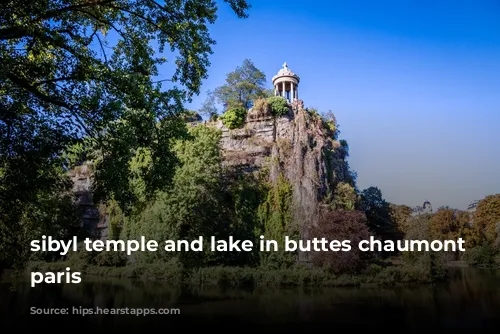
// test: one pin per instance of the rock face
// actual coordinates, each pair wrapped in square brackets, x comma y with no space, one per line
[91,221]
[296,145]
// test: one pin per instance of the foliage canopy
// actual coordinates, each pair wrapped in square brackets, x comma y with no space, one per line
[87,69]
[243,85]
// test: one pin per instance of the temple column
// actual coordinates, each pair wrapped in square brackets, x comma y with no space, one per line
[291,91]
[283,93]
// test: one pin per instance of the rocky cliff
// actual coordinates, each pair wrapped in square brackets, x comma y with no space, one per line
[300,145]
[82,178]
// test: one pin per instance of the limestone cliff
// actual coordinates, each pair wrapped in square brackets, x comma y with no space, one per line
[298,145]
[82,178]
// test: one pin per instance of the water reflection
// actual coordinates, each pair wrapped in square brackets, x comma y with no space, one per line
[470,301]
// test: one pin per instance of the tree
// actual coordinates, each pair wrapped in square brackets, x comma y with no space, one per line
[452,224]
[344,197]
[191,207]
[378,213]
[50,71]
[208,108]
[242,86]
[419,228]
[487,217]
[53,78]
[443,224]
[342,225]
[74,69]
[400,215]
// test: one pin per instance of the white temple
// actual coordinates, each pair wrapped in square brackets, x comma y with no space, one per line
[286,84]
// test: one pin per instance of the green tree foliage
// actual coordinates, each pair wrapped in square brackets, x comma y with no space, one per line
[244,195]
[115,218]
[234,117]
[276,221]
[344,197]
[278,105]
[204,200]
[62,79]
[419,228]
[191,207]
[482,255]
[49,210]
[191,116]
[276,211]
[35,199]
[123,155]
[243,85]
[330,124]
[378,213]
[344,147]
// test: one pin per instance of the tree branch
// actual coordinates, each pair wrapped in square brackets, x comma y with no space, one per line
[39,83]
[23,83]
[102,49]
[51,13]
[142,17]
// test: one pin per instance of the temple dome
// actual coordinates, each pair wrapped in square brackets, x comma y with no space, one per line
[286,72]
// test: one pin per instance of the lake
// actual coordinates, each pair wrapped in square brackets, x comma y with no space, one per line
[470,301]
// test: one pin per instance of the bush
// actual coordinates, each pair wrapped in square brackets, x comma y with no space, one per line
[261,105]
[191,116]
[111,259]
[279,105]
[213,117]
[483,255]
[234,118]
[81,258]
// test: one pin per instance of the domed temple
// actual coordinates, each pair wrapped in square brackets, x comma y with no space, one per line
[286,84]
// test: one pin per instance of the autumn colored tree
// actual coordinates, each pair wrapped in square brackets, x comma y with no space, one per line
[487,218]
[451,224]
[400,215]
[443,224]
[342,225]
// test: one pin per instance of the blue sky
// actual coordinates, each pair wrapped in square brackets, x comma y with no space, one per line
[415,85]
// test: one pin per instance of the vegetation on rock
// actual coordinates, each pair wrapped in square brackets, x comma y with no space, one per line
[234,117]
[278,105]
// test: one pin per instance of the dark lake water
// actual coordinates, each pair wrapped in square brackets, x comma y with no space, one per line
[469,302]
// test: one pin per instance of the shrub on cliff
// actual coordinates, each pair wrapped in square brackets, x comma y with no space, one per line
[278,105]
[234,118]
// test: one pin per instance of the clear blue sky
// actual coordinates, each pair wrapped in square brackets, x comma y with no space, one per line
[415,85]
